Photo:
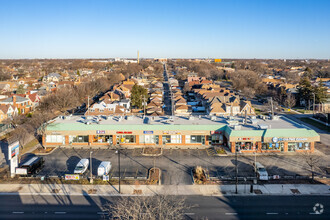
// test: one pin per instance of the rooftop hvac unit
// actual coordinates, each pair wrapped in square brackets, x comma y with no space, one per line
[254,121]
[232,122]
[263,127]
[275,118]
[237,127]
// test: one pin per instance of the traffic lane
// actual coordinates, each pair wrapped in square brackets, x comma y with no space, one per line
[259,207]
[212,207]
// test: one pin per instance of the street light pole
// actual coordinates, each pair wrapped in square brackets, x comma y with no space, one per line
[236,170]
[91,168]
[118,152]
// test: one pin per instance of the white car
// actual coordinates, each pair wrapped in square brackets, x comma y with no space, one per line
[81,166]
[261,171]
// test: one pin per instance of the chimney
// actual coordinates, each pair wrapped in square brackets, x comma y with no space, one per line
[14,100]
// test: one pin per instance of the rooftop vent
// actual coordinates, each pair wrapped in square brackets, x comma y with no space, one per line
[237,127]
[232,122]
[263,127]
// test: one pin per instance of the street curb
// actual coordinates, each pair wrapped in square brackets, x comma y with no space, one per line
[45,154]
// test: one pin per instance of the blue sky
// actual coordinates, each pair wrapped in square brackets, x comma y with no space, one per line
[172,28]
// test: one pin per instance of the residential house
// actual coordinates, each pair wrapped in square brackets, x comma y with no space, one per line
[7,111]
[52,77]
[23,104]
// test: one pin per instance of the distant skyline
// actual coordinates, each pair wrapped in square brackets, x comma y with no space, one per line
[264,29]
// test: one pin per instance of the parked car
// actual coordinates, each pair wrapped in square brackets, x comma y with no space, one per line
[81,166]
[261,171]
[104,168]
[32,166]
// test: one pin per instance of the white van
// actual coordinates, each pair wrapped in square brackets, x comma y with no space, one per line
[261,171]
[104,168]
[81,166]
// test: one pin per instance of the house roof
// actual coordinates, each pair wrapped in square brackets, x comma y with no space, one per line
[18,99]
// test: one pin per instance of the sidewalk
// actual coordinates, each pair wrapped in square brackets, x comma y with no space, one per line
[205,190]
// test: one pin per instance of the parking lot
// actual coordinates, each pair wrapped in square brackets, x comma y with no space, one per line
[175,164]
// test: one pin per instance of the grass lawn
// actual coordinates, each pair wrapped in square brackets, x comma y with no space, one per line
[315,124]
[29,146]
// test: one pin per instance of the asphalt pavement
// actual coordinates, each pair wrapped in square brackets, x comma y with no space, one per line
[212,207]
[175,164]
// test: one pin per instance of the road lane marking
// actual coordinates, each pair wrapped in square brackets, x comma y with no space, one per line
[60,212]
[18,212]
[231,213]
[272,213]
[101,213]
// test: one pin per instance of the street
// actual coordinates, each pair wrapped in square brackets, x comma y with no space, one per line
[212,207]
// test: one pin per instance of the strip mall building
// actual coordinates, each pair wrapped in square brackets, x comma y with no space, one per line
[254,135]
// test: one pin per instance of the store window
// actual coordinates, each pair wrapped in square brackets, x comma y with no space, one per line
[217,139]
[272,146]
[244,145]
[166,139]
[292,146]
[149,139]
[126,138]
[102,139]
[78,139]
[55,139]
[195,139]
[172,139]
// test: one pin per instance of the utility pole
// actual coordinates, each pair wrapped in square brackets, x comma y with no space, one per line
[88,106]
[236,170]
[144,106]
[314,104]
[255,163]
[271,102]
[118,152]
[91,167]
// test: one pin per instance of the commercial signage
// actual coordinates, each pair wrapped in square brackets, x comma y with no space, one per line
[123,132]
[106,178]
[71,176]
[148,132]
[13,150]
[217,60]
[171,132]
[100,132]
[275,139]
[245,139]
[21,171]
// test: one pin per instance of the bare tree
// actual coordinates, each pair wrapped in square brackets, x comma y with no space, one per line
[151,208]
[313,161]
[290,101]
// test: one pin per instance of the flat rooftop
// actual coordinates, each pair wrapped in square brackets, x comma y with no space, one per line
[252,123]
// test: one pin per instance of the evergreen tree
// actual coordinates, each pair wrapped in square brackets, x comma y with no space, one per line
[138,93]
[320,93]
[20,90]
[305,89]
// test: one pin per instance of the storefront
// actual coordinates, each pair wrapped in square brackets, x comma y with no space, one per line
[244,140]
